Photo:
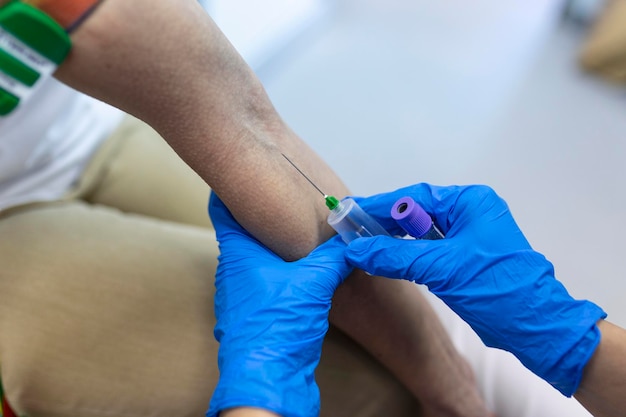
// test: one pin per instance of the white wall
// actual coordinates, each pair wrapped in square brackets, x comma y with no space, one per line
[259,29]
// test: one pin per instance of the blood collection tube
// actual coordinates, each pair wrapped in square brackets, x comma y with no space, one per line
[414,220]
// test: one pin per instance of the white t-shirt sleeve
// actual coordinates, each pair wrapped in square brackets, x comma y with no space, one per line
[46,143]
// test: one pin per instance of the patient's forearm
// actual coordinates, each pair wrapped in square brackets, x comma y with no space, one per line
[247,412]
[394,321]
[167,63]
[602,388]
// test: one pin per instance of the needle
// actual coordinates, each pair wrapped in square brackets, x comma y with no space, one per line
[307,178]
[331,202]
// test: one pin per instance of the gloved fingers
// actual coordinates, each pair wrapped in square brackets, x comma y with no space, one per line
[414,260]
[379,206]
[464,205]
[329,256]
[446,205]
[471,208]
[222,219]
[235,242]
[479,214]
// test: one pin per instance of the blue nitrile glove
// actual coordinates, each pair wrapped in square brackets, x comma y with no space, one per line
[486,271]
[272,317]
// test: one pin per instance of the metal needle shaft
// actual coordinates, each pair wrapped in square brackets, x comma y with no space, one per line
[302,173]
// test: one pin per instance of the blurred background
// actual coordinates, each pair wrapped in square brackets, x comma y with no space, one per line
[527,97]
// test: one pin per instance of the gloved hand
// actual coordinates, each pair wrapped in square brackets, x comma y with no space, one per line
[486,271]
[272,317]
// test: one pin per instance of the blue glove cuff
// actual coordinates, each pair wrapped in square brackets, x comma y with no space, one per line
[567,373]
[260,382]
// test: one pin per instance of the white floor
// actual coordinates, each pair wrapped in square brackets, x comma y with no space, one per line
[393,92]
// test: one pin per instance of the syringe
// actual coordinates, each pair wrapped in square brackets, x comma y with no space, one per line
[346,217]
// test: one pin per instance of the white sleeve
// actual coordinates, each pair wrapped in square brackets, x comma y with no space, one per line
[46,142]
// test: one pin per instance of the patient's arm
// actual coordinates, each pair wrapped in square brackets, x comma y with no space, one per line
[602,388]
[247,412]
[167,63]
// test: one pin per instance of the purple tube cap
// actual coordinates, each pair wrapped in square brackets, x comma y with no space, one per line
[411,217]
